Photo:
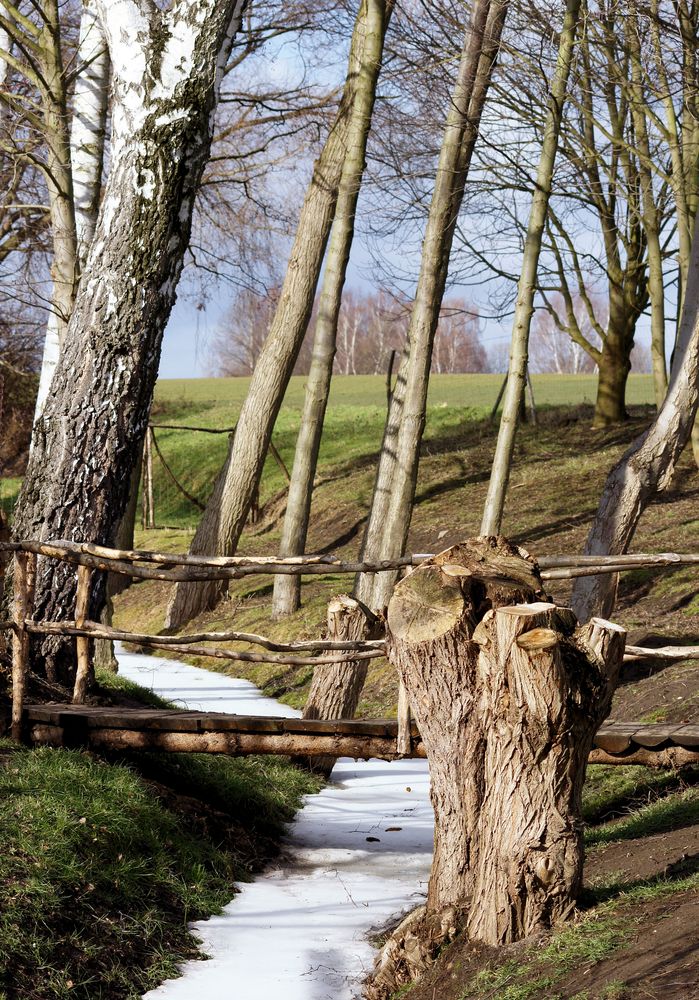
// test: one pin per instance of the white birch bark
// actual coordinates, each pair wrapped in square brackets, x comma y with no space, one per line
[647,466]
[526,288]
[88,126]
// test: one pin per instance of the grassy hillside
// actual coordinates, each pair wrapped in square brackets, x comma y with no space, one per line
[643,826]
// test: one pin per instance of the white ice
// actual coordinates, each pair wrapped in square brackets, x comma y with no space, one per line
[304,926]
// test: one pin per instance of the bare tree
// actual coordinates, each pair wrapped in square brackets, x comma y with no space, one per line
[647,466]
[227,509]
[526,289]
[287,589]
[389,517]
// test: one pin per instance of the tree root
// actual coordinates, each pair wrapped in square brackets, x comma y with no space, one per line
[412,949]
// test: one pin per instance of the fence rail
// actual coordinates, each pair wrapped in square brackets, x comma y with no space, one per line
[143,564]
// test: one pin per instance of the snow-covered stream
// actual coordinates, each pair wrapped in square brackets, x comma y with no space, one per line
[304,925]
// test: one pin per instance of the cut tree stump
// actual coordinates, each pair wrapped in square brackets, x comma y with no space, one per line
[507,692]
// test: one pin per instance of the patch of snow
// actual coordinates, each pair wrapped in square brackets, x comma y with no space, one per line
[303,927]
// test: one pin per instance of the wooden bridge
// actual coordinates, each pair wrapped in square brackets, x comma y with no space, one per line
[139,729]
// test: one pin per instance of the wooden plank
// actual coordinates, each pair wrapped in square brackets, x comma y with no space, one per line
[654,735]
[615,737]
[686,736]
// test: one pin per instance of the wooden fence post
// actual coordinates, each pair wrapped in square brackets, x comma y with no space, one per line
[82,642]
[404,742]
[147,503]
[24,579]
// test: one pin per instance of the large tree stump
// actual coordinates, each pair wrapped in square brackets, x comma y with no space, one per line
[507,693]
[336,687]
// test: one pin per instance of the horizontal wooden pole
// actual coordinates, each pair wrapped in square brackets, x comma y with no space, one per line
[672,757]
[231,743]
[180,567]
[188,644]
[298,744]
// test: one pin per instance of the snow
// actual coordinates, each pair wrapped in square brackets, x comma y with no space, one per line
[305,924]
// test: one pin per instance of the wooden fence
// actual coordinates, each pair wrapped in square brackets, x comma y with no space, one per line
[146,565]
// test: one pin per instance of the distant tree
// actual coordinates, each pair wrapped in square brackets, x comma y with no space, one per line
[551,347]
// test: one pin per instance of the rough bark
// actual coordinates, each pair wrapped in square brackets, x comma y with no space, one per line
[167,69]
[527,285]
[227,510]
[505,689]
[335,689]
[287,589]
[647,466]
[394,489]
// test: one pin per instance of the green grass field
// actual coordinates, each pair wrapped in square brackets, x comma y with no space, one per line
[353,425]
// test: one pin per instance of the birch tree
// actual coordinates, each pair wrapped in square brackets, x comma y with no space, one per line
[394,488]
[167,67]
[226,512]
[526,289]
[287,589]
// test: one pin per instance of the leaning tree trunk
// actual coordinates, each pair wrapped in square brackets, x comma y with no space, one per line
[287,589]
[227,510]
[507,693]
[394,491]
[647,467]
[336,687]
[167,70]
[526,288]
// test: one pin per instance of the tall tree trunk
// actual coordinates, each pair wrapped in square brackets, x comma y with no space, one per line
[526,288]
[287,589]
[507,693]
[647,466]
[87,440]
[227,510]
[88,128]
[651,214]
[394,490]
[59,181]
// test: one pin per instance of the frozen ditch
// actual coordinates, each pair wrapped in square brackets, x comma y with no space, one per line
[304,925]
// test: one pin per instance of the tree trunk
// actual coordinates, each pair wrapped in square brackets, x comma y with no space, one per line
[87,440]
[59,182]
[394,491]
[651,216]
[613,374]
[226,512]
[336,687]
[105,657]
[507,693]
[647,466]
[526,288]
[287,589]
